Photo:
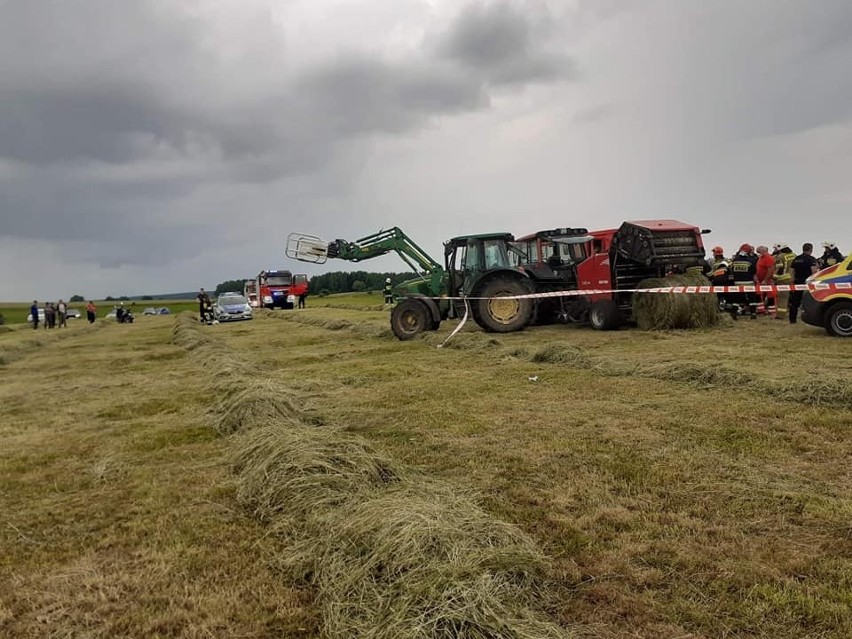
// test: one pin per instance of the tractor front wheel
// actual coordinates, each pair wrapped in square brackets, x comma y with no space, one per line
[409,318]
[498,315]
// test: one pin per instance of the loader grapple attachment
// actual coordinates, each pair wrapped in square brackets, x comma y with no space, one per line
[306,248]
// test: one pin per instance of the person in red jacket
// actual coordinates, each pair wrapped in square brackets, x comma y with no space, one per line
[764,274]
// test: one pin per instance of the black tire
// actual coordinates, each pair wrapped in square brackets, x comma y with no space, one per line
[504,316]
[409,318]
[838,319]
[604,315]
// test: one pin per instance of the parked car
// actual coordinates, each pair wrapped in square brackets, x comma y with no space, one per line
[230,307]
[162,310]
[72,313]
[40,316]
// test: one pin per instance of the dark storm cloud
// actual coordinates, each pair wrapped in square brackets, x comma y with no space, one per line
[508,43]
[364,94]
[114,109]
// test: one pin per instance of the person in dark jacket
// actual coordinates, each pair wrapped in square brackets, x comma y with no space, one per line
[744,271]
[803,266]
[34,313]
[830,256]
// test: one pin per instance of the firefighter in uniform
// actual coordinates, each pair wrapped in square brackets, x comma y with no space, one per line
[720,275]
[743,270]
[784,257]
[831,255]
[388,290]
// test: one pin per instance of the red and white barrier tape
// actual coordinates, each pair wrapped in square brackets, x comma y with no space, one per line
[687,290]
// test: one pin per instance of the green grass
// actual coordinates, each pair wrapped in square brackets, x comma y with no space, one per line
[680,483]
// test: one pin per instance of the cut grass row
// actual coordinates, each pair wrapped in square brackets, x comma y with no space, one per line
[391,556]
[695,505]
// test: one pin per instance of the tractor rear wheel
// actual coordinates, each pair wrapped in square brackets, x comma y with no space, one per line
[498,315]
[604,315]
[409,318]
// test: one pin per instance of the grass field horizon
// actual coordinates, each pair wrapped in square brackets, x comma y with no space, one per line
[657,484]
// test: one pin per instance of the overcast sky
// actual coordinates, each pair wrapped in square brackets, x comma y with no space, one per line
[155,146]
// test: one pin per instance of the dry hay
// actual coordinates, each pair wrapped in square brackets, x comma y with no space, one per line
[561,354]
[299,471]
[186,332]
[6,329]
[700,374]
[817,392]
[661,311]
[425,562]
[248,403]
[470,342]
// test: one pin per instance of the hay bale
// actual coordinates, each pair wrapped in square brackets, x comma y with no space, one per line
[661,311]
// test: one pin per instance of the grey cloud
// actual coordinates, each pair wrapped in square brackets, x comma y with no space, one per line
[509,43]
[371,95]
[594,113]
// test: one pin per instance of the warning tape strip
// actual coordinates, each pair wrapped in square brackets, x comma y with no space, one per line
[682,290]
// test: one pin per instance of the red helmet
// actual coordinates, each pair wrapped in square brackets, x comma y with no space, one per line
[718,250]
[746,248]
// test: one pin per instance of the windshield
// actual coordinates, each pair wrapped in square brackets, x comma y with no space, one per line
[278,280]
[232,300]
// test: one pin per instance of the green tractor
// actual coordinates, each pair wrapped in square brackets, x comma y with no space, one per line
[478,271]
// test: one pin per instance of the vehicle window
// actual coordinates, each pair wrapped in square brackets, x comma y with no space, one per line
[300,279]
[496,255]
[279,280]
[232,299]
[472,256]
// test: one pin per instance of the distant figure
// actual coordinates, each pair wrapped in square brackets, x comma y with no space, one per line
[302,298]
[34,313]
[62,314]
[203,303]
[388,290]
[49,315]
[90,312]
[803,267]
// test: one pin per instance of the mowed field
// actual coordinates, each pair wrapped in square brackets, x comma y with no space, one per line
[160,480]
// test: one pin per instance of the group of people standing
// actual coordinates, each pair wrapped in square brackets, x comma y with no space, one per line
[56,315]
[761,267]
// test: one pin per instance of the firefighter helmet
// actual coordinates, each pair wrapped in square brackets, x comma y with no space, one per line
[718,250]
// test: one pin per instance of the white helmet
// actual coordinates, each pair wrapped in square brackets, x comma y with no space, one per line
[779,246]
[388,281]
[828,245]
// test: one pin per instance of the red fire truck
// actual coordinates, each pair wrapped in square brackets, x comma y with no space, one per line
[280,289]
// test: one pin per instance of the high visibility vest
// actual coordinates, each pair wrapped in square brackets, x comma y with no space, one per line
[783,275]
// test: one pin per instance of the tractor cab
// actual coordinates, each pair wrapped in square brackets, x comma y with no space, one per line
[553,255]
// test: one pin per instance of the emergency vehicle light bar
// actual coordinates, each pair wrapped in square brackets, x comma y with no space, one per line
[306,248]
